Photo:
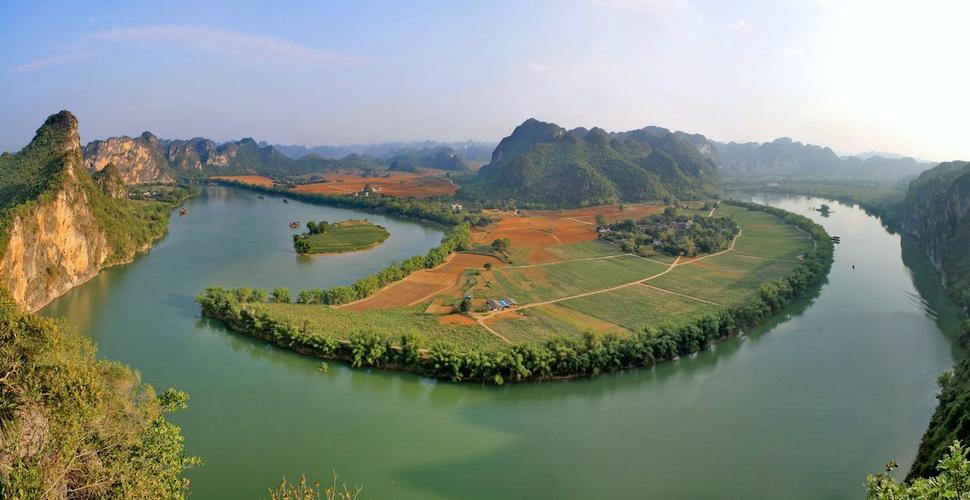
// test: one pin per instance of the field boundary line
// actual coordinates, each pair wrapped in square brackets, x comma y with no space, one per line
[481,321]
[681,295]
[572,260]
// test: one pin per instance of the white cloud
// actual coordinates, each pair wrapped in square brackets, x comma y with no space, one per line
[52,60]
[226,42]
[205,39]
[741,25]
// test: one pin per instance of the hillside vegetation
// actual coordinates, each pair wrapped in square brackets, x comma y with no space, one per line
[936,212]
[73,426]
[543,164]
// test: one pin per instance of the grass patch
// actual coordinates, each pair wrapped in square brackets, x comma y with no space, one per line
[585,250]
[549,321]
[636,307]
[726,279]
[555,281]
[347,236]
[338,324]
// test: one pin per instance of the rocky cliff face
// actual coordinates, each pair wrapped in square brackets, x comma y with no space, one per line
[57,227]
[52,249]
[140,160]
[936,212]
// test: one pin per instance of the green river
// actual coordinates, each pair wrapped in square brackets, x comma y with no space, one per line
[803,407]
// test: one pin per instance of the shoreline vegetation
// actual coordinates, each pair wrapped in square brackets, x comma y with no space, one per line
[243,311]
[352,235]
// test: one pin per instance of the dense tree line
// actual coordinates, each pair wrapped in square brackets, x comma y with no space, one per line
[563,357]
[673,234]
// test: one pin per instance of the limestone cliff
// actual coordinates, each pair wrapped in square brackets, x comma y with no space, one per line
[140,160]
[936,212]
[57,227]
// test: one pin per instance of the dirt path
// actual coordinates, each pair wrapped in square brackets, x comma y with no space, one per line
[676,263]
[481,321]
[681,295]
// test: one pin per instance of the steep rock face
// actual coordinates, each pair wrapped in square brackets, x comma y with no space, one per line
[53,249]
[936,212]
[58,228]
[140,160]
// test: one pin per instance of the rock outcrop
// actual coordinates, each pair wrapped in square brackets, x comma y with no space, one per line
[936,212]
[58,228]
[140,160]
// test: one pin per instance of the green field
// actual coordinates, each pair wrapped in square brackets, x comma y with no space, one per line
[637,306]
[549,321]
[338,324]
[725,279]
[346,236]
[556,281]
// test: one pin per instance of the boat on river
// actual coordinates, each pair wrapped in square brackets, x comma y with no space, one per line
[295,224]
[183,211]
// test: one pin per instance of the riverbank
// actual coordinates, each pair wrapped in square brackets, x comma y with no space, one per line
[555,358]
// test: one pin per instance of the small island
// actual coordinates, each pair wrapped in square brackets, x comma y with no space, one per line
[347,236]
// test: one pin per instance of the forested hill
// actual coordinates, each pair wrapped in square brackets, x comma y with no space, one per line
[148,159]
[936,212]
[544,164]
[786,158]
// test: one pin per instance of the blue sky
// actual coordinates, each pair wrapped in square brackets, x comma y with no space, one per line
[854,75]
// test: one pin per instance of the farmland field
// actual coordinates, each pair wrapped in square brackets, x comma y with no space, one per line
[346,236]
[566,282]
[338,324]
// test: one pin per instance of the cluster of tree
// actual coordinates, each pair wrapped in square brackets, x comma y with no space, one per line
[951,479]
[555,358]
[672,233]
[458,238]
[74,426]
[433,210]
[300,241]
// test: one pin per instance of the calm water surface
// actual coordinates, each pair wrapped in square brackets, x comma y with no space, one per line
[802,408]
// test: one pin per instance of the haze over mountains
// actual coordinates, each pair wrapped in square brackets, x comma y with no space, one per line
[538,162]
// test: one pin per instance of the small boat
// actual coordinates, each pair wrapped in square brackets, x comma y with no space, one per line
[284,200]
[259,196]
[183,211]
[295,224]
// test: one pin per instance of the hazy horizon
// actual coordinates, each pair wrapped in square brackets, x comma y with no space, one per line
[853,76]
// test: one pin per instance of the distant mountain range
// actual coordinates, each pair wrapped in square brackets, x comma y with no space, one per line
[469,151]
[148,159]
[544,164]
[539,162]
[784,157]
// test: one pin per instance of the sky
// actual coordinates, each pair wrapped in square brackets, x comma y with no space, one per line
[853,75]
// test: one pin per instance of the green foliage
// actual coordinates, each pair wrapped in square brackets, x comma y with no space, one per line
[501,244]
[542,164]
[674,234]
[75,426]
[305,491]
[346,236]
[952,479]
